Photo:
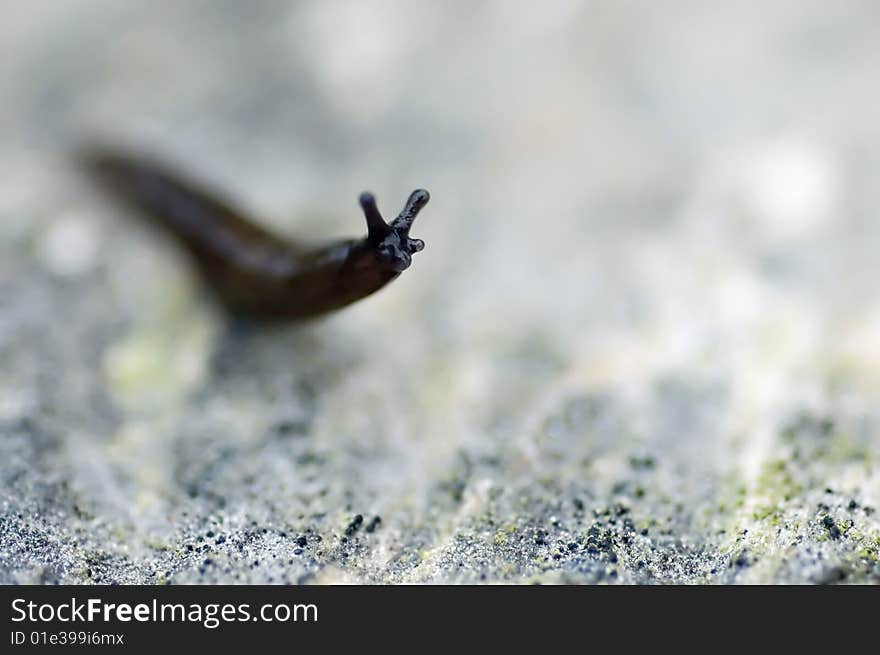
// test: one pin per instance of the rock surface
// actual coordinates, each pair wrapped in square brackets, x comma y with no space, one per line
[642,344]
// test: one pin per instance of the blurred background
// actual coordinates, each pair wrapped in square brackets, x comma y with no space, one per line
[650,283]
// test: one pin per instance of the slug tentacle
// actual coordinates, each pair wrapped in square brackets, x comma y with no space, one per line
[414,204]
[392,242]
[251,270]
[377,228]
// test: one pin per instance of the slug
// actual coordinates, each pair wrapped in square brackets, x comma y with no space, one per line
[252,271]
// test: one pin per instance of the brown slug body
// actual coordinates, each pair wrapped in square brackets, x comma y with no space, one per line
[252,271]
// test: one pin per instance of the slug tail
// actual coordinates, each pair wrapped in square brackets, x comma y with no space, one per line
[207,226]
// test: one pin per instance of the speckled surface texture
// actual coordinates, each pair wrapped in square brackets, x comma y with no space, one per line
[642,344]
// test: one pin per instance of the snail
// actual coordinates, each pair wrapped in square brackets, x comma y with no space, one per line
[252,271]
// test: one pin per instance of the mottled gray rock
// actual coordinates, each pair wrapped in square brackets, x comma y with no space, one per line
[641,344]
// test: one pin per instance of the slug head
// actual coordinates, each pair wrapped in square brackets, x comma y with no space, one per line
[391,242]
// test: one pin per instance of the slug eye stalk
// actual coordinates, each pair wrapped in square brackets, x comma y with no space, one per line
[392,241]
[377,228]
[414,204]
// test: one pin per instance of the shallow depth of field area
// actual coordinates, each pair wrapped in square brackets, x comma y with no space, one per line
[642,344]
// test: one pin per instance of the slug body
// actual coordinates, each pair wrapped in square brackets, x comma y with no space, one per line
[251,270]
